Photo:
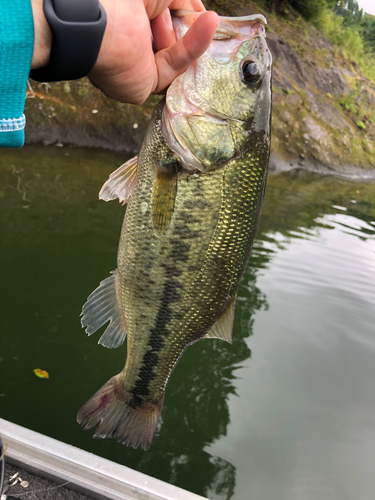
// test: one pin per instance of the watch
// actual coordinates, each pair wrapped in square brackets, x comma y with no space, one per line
[77,32]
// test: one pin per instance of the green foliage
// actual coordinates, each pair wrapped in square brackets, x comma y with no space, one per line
[361,125]
[308,9]
[341,21]
[349,39]
[368,31]
[353,16]
[350,11]
[334,28]
[349,102]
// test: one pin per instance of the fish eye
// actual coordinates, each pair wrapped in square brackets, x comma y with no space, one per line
[251,72]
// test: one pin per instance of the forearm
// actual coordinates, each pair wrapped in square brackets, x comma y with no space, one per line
[42,36]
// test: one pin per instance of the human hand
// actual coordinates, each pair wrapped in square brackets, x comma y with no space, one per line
[127,68]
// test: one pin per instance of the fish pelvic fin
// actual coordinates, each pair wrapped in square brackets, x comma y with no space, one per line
[223,328]
[103,305]
[131,425]
[121,182]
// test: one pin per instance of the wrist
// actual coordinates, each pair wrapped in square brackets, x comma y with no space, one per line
[42,36]
[121,19]
[69,48]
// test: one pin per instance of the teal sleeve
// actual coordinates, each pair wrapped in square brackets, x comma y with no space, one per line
[16,51]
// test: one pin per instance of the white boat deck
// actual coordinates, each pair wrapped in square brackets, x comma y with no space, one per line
[87,473]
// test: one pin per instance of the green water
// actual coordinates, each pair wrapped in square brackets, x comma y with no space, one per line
[287,412]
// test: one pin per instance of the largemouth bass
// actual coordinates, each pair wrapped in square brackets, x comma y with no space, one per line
[194,199]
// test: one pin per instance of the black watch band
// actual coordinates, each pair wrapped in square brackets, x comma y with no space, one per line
[77,32]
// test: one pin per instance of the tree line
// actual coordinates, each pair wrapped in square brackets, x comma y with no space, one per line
[353,16]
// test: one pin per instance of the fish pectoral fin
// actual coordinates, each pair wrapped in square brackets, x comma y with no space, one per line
[163,195]
[223,327]
[102,306]
[121,182]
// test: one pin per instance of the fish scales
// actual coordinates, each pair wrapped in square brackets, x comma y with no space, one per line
[162,264]
[194,198]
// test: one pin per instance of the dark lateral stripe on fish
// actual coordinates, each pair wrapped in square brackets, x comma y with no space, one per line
[157,338]
[158,334]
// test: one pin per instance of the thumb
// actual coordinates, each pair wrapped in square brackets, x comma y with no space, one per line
[174,60]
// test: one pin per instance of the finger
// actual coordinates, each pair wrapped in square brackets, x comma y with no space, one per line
[177,58]
[197,6]
[194,5]
[162,31]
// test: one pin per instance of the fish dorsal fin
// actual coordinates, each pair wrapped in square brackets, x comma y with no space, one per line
[223,327]
[164,195]
[121,182]
[103,306]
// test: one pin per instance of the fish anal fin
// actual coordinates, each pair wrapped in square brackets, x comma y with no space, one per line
[223,327]
[121,182]
[131,425]
[164,195]
[102,306]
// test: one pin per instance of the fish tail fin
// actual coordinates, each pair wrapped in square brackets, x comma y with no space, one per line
[131,425]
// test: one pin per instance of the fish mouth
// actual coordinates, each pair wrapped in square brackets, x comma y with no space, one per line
[243,27]
[246,19]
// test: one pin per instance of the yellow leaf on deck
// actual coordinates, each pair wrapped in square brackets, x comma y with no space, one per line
[41,373]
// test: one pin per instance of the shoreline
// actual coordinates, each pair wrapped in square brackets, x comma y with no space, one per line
[277,165]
